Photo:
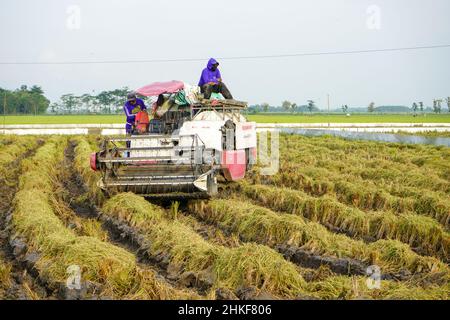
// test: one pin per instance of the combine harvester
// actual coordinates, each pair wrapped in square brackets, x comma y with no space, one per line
[180,154]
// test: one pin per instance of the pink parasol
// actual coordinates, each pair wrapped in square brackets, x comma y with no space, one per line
[158,88]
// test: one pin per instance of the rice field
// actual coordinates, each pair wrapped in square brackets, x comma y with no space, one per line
[335,209]
[260,118]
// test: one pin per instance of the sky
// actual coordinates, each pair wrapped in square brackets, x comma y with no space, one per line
[49,31]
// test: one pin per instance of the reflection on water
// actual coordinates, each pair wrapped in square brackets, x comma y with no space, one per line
[383,137]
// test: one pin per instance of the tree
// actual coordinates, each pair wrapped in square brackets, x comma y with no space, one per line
[265,106]
[86,101]
[415,107]
[294,107]
[311,105]
[344,108]
[36,90]
[53,107]
[448,103]
[371,107]
[118,97]
[421,106]
[95,105]
[437,105]
[286,105]
[106,99]
[68,102]
[254,109]
[25,101]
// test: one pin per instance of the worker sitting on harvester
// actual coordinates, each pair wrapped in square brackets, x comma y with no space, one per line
[211,81]
[132,108]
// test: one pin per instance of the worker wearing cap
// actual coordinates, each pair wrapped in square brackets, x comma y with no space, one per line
[211,81]
[131,108]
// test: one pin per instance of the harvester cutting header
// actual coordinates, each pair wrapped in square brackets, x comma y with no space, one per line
[190,136]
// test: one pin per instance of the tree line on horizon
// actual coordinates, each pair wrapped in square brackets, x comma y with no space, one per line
[31,100]
[105,102]
[289,107]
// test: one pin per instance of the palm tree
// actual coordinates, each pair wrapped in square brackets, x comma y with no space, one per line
[311,105]
[344,108]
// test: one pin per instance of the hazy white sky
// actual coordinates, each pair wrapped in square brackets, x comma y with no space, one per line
[49,31]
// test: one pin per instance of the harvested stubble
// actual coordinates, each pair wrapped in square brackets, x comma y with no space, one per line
[314,152]
[317,159]
[83,151]
[341,287]
[370,197]
[232,268]
[364,165]
[397,180]
[212,234]
[417,231]
[335,287]
[430,160]
[106,265]
[255,223]
[364,196]
[82,226]
[7,140]
[12,151]
[5,277]
[64,198]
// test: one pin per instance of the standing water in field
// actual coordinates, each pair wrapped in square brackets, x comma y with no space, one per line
[383,137]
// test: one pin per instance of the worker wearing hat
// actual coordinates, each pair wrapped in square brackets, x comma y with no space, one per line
[211,81]
[131,108]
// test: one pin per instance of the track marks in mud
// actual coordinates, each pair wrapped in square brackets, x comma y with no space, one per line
[16,282]
[71,202]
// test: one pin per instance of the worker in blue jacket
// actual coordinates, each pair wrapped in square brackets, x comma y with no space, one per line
[211,81]
[131,108]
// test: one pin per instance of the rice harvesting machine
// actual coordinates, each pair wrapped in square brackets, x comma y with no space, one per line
[182,153]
